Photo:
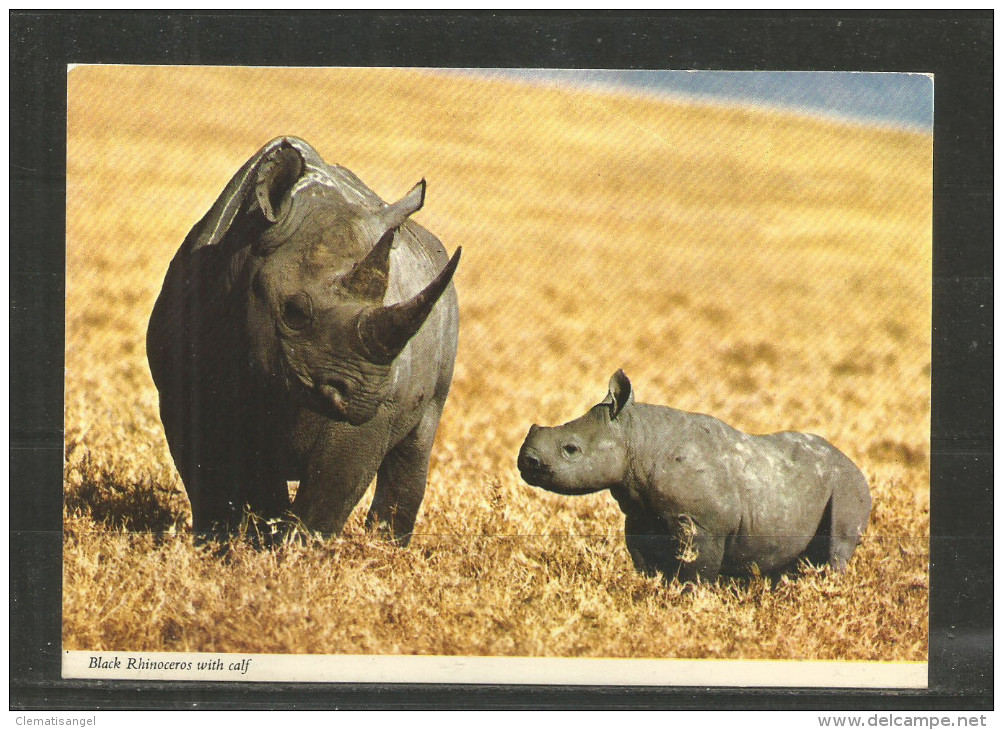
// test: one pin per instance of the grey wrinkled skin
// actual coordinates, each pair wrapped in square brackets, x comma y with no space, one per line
[306,330]
[700,497]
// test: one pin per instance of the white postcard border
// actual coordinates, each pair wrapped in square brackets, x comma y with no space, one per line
[176,666]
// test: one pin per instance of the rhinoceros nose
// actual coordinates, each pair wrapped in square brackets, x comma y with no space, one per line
[335,391]
[532,461]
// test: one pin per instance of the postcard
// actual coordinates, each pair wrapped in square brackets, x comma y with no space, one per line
[323,324]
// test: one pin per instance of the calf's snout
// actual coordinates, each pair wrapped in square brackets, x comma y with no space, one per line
[531,461]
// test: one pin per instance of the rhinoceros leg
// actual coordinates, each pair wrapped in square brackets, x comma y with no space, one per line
[210,494]
[817,552]
[702,553]
[851,508]
[226,459]
[338,470]
[401,480]
[224,483]
[652,547]
[232,503]
[215,500]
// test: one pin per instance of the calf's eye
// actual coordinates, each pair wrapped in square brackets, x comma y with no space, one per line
[571,449]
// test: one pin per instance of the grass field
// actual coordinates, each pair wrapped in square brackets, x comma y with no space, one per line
[769,269]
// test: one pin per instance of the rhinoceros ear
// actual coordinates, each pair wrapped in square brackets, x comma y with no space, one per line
[620,395]
[277,174]
[273,167]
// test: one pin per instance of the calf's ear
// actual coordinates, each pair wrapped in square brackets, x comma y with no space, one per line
[268,176]
[620,395]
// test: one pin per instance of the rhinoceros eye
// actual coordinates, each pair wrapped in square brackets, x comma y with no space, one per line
[297,312]
[571,449]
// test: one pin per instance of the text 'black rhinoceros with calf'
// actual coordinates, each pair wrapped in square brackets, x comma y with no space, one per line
[305,331]
[700,497]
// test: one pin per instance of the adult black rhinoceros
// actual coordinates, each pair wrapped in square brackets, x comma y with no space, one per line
[305,331]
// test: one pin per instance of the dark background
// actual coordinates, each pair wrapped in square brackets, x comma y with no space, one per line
[956,47]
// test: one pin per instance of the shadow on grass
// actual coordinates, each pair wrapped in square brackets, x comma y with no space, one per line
[95,491]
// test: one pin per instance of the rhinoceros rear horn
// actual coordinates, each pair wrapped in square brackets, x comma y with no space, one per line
[394,215]
[368,279]
[384,331]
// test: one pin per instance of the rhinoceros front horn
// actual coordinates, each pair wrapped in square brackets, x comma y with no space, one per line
[384,331]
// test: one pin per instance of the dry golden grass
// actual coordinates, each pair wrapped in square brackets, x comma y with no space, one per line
[771,270]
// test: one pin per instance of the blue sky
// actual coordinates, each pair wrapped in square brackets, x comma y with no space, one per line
[897,99]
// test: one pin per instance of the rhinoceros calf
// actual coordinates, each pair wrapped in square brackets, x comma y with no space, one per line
[700,497]
[306,330]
